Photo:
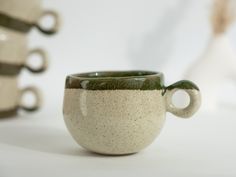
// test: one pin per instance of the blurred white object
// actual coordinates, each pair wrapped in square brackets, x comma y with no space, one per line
[218,63]
[213,69]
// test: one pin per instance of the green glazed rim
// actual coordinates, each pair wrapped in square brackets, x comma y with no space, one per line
[116,80]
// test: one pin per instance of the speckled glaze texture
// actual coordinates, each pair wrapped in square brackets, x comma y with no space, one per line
[123,118]
[114,122]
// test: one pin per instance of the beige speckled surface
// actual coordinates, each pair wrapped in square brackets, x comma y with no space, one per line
[191,109]
[27,10]
[14,50]
[8,93]
[13,41]
[11,96]
[114,121]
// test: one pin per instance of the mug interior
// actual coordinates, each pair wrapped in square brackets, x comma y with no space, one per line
[116,74]
[116,80]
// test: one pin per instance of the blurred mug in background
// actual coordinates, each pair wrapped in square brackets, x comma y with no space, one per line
[22,15]
[12,97]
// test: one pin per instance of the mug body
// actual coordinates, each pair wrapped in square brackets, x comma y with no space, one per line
[25,10]
[13,47]
[8,96]
[11,97]
[114,112]
[14,53]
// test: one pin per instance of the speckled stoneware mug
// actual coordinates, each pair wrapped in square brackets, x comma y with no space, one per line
[11,97]
[22,15]
[14,53]
[121,112]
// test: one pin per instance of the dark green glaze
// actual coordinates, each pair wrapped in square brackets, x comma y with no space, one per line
[15,24]
[13,69]
[184,84]
[124,80]
[116,80]
[8,113]
[10,69]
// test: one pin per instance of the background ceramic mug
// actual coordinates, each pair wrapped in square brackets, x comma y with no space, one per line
[21,15]
[14,53]
[11,97]
[121,112]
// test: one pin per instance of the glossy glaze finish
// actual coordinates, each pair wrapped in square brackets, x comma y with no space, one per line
[115,80]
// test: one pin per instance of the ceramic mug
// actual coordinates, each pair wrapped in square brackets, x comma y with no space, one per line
[11,97]
[121,112]
[21,15]
[14,53]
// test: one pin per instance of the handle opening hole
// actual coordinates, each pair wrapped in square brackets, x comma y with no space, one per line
[180,99]
[35,61]
[47,22]
[28,99]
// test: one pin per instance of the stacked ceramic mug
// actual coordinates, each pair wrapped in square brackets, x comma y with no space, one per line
[17,18]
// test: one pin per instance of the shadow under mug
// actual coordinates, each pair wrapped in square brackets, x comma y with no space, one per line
[22,15]
[12,98]
[121,112]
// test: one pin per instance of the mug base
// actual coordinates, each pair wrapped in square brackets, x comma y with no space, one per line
[112,154]
[108,153]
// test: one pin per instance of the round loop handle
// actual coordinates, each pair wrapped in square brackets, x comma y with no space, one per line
[37,95]
[44,58]
[57,21]
[194,94]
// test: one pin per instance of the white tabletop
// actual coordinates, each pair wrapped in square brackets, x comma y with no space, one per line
[39,145]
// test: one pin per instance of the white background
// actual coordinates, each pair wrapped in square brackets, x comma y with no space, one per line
[157,35]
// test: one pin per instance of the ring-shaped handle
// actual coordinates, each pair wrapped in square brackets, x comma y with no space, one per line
[57,21]
[38,102]
[44,57]
[194,94]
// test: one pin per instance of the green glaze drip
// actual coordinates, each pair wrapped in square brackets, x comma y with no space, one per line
[184,84]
